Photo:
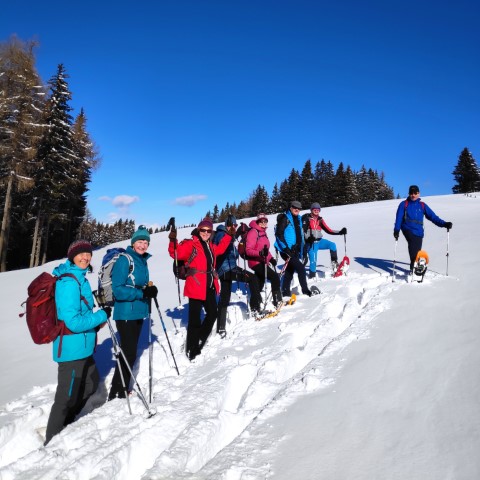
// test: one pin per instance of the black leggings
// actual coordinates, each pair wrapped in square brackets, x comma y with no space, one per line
[198,332]
[129,331]
[239,275]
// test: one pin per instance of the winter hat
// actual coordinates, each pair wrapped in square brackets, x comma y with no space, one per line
[296,204]
[206,223]
[315,205]
[141,234]
[79,246]
[413,189]
[261,216]
[231,220]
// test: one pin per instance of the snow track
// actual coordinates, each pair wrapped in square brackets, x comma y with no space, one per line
[218,406]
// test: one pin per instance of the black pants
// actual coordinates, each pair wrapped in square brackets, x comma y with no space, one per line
[414,246]
[272,277]
[239,275]
[198,332]
[294,265]
[77,382]
[129,331]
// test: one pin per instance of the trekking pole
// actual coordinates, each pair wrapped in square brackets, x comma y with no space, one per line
[118,351]
[345,242]
[394,260]
[171,225]
[448,239]
[165,331]
[150,352]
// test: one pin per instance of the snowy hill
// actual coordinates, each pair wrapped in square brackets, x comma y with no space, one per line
[372,379]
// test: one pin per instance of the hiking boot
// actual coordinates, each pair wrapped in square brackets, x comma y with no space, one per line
[307,292]
[312,275]
[334,266]
[222,333]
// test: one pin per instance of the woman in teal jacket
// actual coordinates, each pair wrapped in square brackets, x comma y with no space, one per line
[77,373]
[133,295]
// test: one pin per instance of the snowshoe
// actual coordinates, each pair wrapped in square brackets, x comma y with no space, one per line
[420,266]
[342,267]
[315,290]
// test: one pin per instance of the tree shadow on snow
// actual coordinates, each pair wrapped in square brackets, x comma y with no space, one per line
[377,264]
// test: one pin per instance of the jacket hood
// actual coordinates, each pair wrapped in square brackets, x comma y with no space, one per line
[256,226]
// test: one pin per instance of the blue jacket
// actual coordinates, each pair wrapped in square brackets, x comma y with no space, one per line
[78,317]
[129,301]
[229,257]
[411,218]
[286,236]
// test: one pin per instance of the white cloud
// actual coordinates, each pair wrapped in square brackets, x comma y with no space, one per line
[189,200]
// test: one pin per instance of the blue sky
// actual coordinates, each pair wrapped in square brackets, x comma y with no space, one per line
[195,103]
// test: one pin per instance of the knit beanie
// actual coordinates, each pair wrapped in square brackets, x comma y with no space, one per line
[261,216]
[413,189]
[141,234]
[206,223]
[315,205]
[79,246]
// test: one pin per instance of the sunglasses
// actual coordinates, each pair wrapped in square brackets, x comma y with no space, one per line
[204,230]
[295,208]
[263,221]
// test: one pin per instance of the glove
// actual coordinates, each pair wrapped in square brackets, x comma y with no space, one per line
[343,231]
[150,291]
[173,234]
[108,311]
[263,252]
[396,233]
[311,239]
[231,230]
[273,262]
[448,225]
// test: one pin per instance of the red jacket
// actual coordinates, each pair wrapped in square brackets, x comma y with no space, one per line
[196,284]
[256,240]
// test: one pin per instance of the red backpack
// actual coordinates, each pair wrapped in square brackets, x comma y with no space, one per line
[41,310]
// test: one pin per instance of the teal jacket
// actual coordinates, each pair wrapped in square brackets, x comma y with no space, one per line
[127,286]
[78,317]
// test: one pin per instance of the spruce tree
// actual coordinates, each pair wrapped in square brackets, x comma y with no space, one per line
[306,193]
[466,173]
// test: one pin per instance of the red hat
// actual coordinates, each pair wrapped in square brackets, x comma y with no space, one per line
[206,223]
[79,246]
[261,216]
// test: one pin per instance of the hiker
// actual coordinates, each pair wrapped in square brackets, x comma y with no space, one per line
[201,284]
[228,271]
[409,220]
[290,243]
[259,256]
[133,295]
[313,224]
[78,376]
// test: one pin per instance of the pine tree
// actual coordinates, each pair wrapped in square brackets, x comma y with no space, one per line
[466,173]
[259,201]
[306,194]
[57,168]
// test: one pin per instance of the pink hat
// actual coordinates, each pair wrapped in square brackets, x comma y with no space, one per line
[206,223]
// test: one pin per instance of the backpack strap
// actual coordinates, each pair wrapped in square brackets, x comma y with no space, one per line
[131,267]
[422,204]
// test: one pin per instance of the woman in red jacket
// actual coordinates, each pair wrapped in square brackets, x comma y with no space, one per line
[201,285]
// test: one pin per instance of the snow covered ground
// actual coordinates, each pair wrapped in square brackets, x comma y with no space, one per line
[372,379]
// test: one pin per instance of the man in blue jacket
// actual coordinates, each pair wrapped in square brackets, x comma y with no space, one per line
[290,242]
[409,220]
